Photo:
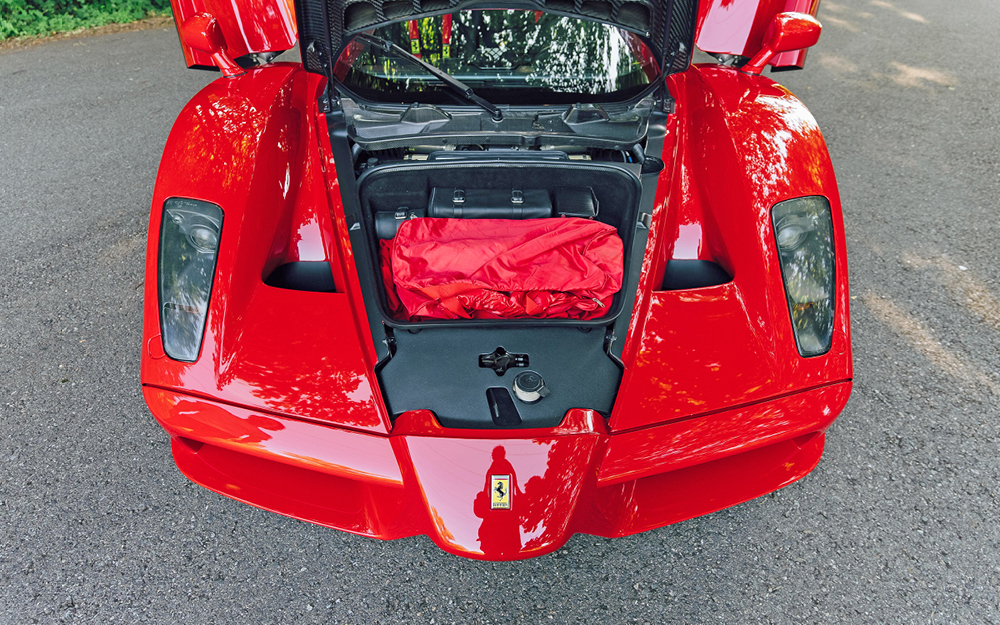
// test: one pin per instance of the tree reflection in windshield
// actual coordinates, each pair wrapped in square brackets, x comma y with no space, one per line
[507,56]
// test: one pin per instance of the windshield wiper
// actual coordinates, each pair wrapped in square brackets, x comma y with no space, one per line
[457,85]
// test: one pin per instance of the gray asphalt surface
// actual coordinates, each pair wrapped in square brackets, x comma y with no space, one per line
[898,524]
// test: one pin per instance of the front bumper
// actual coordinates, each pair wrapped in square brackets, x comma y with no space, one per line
[425,479]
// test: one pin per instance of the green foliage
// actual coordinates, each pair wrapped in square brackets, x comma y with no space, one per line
[20,18]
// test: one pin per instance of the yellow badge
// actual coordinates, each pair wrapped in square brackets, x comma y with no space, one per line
[500,492]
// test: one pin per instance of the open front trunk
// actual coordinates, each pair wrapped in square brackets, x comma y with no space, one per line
[477,116]
[406,190]
[463,370]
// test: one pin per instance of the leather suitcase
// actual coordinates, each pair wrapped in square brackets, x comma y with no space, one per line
[575,202]
[490,203]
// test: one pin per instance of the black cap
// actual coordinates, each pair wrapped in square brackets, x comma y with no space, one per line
[529,382]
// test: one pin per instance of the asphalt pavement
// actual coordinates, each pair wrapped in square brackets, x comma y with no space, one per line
[899,523]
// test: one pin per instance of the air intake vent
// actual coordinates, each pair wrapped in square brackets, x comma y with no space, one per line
[316,276]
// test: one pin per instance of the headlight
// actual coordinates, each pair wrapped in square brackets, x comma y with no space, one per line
[803,231]
[189,244]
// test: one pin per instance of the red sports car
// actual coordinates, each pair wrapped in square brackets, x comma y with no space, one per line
[496,273]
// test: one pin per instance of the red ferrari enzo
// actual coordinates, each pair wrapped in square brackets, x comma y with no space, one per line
[496,272]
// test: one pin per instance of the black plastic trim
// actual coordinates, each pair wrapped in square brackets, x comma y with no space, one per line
[684,274]
[315,276]
[502,407]
[438,370]
[651,169]
[344,163]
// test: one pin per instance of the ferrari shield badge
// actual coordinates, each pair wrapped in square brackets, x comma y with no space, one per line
[500,491]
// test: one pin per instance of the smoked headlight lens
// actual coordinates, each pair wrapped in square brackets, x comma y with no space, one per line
[803,231]
[189,245]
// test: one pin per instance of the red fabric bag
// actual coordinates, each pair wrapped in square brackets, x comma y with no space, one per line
[502,268]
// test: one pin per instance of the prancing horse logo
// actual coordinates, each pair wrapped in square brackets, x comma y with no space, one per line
[500,492]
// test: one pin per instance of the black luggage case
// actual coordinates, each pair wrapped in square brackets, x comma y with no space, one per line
[490,203]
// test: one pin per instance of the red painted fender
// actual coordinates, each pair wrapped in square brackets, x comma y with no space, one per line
[250,145]
[743,144]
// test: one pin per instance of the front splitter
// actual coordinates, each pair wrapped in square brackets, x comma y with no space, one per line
[426,479]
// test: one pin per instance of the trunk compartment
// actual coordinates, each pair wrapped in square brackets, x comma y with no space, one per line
[408,189]
[455,367]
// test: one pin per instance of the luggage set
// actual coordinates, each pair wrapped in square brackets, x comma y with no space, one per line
[500,254]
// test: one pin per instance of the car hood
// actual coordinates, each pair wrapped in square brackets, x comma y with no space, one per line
[327,26]
[256,30]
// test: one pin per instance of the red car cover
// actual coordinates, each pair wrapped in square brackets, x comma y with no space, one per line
[502,268]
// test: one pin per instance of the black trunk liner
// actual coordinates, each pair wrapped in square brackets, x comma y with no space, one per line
[438,370]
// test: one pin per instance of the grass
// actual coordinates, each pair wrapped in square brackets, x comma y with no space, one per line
[34,18]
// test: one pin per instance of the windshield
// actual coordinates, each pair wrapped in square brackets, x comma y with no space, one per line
[506,56]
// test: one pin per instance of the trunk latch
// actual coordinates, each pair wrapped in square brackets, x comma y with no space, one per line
[500,360]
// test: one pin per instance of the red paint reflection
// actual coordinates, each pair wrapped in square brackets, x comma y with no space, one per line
[500,532]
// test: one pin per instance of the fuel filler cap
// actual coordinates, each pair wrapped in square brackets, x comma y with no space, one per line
[529,387]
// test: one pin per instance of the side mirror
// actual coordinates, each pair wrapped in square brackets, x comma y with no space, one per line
[787,32]
[201,32]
